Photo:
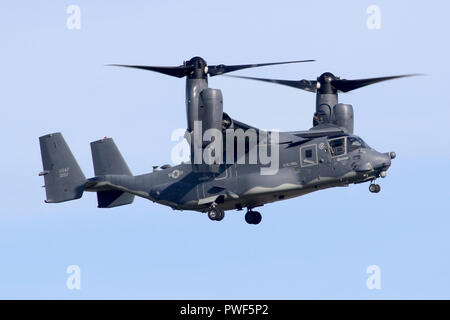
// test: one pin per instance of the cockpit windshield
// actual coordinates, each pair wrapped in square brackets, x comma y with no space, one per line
[337,146]
[342,145]
[354,143]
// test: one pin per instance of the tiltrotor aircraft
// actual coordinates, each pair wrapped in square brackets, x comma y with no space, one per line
[325,156]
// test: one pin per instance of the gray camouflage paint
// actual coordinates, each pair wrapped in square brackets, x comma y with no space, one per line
[239,186]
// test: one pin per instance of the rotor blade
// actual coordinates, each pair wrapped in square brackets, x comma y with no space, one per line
[178,72]
[307,85]
[221,68]
[349,85]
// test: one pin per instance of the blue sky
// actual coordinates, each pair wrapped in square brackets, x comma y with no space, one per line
[316,246]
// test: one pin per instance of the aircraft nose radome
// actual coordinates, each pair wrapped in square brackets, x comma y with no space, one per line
[381,161]
[374,161]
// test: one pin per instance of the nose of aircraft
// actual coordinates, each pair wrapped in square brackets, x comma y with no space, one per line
[381,161]
[375,161]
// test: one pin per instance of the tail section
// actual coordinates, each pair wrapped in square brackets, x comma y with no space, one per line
[65,181]
[108,160]
[63,177]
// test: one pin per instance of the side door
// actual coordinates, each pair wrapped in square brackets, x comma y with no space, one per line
[339,156]
[324,156]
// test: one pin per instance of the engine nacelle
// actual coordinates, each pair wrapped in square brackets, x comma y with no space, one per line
[211,109]
[343,116]
[210,116]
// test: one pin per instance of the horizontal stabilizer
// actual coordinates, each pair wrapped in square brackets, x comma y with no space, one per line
[113,198]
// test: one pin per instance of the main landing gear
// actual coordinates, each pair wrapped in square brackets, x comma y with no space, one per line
[216,214]
[253,217]
[374,188]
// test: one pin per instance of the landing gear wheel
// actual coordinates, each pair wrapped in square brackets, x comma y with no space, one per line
[253,217]
[374,188]
[248,217]
[257,217]
[216,214]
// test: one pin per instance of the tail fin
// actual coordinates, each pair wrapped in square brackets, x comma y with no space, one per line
[108,160]
[63,177]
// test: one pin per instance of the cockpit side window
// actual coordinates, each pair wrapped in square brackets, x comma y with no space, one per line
[337,146]
[354,143]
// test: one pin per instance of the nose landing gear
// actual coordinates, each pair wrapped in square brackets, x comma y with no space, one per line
[253,217]
[374,188]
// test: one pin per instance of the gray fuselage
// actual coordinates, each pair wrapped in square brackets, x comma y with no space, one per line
[313,165]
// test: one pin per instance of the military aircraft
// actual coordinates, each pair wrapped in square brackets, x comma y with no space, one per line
[325,156]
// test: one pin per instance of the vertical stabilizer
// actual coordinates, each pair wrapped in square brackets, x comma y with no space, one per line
[108,160]
[63,177]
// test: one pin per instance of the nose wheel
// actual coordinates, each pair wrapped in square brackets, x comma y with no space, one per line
[216,214]
[253,217]
[374,188]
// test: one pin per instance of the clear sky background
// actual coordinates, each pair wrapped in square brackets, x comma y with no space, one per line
[315,246]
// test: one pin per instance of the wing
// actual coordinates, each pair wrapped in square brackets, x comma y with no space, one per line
[319,131]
